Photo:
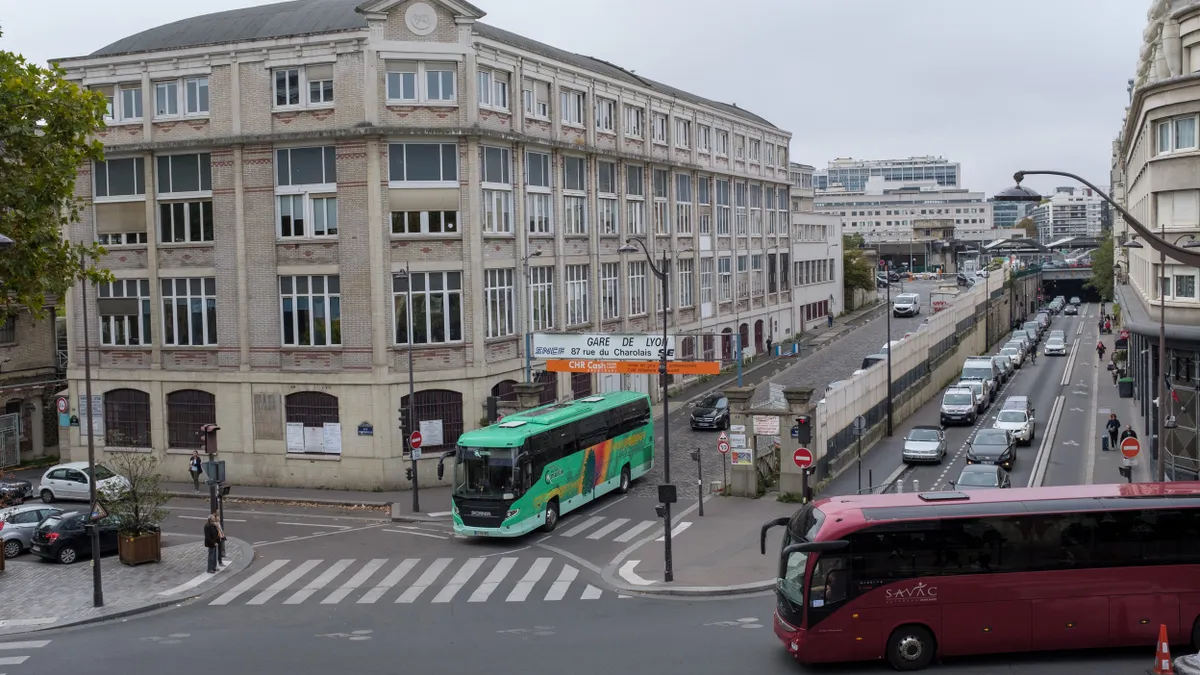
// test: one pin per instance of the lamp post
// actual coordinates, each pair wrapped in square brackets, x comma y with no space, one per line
[660,271]
[93,531]
[1017,193]
[887,275]
[529,311]
[412,388]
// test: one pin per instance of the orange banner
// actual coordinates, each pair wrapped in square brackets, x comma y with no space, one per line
[633,367]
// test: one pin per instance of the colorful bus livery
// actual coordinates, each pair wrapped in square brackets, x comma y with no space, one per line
[535,466]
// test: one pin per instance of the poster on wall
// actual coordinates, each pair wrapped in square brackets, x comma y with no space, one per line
[431,433]
[741,457]
[295,437]
[94,419]
[332,438]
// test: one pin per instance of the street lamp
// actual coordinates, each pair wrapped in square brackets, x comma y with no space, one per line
[887,282]
[529,311]
[665,490]
[406,274]
[97,579]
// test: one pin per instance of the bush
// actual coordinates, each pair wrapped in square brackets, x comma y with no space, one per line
[138,505]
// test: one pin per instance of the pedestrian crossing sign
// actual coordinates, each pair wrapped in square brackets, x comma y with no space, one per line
[98,511]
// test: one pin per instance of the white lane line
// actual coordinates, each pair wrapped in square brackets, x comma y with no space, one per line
[320,582]
[677,530]
[632,577]
[635,531]
[418,534]
[355,582]
[558,589]
[493,580]
[1093,440]
[440,514]
[320,525]
[29,644]
[424,581]
[1042,459]
[612,503]
[189,584]
[228,520]
[608,528]
[254,579]
[390,580]
[526,584]
[460,579]
[591,593]
[582,526]
[284,583]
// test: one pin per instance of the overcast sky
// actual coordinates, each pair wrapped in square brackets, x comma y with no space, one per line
[997,86]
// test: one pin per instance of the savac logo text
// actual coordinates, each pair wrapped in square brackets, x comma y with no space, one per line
[919,593]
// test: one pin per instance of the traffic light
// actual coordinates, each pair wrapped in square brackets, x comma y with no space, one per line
[493,409]
[804,429]
[404,422]
[408,474]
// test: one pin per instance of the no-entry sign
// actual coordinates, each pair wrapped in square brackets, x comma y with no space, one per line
[414,440]
[1130,447]
[802,457]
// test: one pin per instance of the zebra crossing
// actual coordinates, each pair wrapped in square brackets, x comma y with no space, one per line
[597,528]
[10,651]
[410,581]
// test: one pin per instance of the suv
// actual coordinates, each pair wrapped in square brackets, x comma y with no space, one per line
[711,413]
[958,405]
[906,304]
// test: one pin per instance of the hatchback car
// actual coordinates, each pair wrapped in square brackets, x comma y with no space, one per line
[981,477]
[72,481]
[1055,347]
[1062,335]
[1006,366]
[17,524]
[711,413]
[65,538]
[992,446]
[1014,352]
[1018,421]
[924,444]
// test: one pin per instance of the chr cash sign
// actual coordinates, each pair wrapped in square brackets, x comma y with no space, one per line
[603,347]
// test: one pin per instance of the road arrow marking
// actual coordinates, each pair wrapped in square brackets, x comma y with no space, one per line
[1074,443]
[629,575]
[1077,410]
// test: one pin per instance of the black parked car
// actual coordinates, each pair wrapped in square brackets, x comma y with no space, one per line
[711,413]
[65,538]
[13,491]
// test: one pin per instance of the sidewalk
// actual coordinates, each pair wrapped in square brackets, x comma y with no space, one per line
[435,501]
[30,605]
[718,555]
[1107,464]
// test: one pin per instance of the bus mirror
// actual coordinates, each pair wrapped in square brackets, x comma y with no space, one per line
[441,470]
[769,524]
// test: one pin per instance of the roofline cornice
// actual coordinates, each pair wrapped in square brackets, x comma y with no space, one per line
[214,49]
[1133,119]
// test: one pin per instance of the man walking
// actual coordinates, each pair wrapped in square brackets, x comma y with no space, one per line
[212,538]
[1114,428]
[195,467]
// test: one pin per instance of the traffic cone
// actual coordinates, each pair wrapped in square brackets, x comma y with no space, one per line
[1162,654]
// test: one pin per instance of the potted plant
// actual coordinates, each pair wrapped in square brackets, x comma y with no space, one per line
[138,507]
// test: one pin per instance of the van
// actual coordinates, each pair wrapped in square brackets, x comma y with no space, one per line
[1017,417]
[958,405]
[871,360]
[906,304]
[982,368]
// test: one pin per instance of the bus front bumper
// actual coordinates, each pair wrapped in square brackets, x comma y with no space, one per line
[793,638]
[517,529]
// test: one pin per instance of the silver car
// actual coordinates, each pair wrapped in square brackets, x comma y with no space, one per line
[1015,353]
[924,444]
[1055,347]
[18,523]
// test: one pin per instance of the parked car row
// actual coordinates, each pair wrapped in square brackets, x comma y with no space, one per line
[50,532]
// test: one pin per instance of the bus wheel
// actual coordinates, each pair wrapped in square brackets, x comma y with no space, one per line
[910,647]
[625,480]
[1196,635]
[551,517]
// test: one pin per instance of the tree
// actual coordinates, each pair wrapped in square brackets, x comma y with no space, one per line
[1102,269]
[854,240]
[47,129]
[857,273]
[1029,226]
[138,505]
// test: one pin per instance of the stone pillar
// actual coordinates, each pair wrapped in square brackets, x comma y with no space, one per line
[528,394]
[790,476]
[743,480]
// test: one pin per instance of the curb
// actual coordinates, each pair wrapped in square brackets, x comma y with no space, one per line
[233,570]
[696,591]
[313,501]
[398,517]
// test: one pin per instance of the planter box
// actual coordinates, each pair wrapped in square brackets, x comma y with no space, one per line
[140,549]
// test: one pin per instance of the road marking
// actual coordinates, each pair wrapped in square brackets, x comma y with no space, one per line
[228,520]
[559,588]
[527,582]
[591,593]
[1041,461]
[284,583]
[515,550]
[424,581]
[629,575]
[419,534]
[636,530]
[608,528]
[614,502]
[13,660]
[677,530]
[355,581]
[189,584]
[1090,462]
[338,527]
[460,579]
[9,623]
[493,580]
[29,644]
[293,538]
[1071,358]
[390,580]
[232,594]
[582,526]
[440,514]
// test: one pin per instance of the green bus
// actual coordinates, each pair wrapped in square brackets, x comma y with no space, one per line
[533,467]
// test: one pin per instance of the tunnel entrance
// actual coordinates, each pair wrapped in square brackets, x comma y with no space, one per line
[1069,288]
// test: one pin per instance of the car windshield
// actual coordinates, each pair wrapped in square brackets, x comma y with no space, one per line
[974,385]
[711,402]
[1011,416]
[980,372]
[958,399]
[923,435]
[1055,342]
[102,472]
[991,437]
[979,479]
[1009,351]
[484,472]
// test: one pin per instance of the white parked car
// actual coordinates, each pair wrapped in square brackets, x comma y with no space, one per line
[1015,353]
[1017,420]
[72,481]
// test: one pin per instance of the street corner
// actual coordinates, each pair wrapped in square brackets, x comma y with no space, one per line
[126,590]
[402,513]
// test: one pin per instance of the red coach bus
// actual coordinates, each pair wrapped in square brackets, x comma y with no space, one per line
[911,577]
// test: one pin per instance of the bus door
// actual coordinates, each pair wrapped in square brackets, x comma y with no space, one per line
[831,633]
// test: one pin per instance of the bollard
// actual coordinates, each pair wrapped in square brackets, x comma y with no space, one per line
[915,486]
[899,486]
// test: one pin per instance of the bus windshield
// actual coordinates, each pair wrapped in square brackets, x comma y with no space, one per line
[485,473]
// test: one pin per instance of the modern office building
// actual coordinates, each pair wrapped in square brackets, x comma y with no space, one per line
[1155,162]
[851,175]
[1007,214]
[299,200]
[887,210]
[1069,212]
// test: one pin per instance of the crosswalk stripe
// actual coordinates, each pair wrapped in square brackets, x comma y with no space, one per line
[590,593]
[608,528]
[390,580]
[582,526]
[559,588]
[636,530]
[320,582]
[526,584]
[424,581]
[254,579]
[460,578]
[677,530]
[493,580]
[13,660]
[284,583]
[30,644]
[355,581]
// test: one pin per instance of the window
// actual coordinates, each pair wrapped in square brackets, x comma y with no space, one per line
[769,207]
[190,220]
[493,89]
[574,205]
[306,166]
[312,413]
[295,211]
[287,87]
[755,150]
[124,309]
[770,158]
[743,284]
[687,296]
[606,177]
[312,310]
[605,115]
[498,291]
[610,290]
[607,215]
[187,411]
[722,143]
[539,212]
[439,80]
[739,195]
[756,276]
[703,138]
[401,81]
[537,99]
[541,297]
[185,174]
[195,95]
[659,132]
[120,178]
[662,219]
[1185,133]
[436,307]
[703,198]
[740,147]
[637,288]
[577,295]
[1185,286]
[189,311]
[683,133]
[574,173]
[635,121]
[706,281]
[497,189]
[423,162]
[635,192]
[723,207]
[726,278]
[437,404]
[683,203]
[781,156]
[121,238]
[127,418]
[166,99]
[572,107]
[424,222]
[131,103]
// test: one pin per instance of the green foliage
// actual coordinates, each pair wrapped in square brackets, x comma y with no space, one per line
[854,240]
[857,273]
[47,130]
[1029,226]
[139,505]
[1102,269]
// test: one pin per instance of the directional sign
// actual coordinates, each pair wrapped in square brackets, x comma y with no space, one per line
[603,347]
[414,440]
[860,425]
[1130,447]
[802,457]
[723,447]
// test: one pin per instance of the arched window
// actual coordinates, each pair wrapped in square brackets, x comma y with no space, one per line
[688,349]
[438,404]
[307,413]
[127,418]
[550,391]
[187,410]
[504,390]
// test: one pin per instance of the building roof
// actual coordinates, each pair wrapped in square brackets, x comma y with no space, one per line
[307,17]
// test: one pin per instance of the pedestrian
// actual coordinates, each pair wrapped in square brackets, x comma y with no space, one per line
[769,342]
[829,316]
[195,467]
[1114,428]
[221,562]
[1128,433]
[212,539]
[1116,372]
[1100,351]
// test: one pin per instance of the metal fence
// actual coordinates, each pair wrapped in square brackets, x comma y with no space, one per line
[10,439]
